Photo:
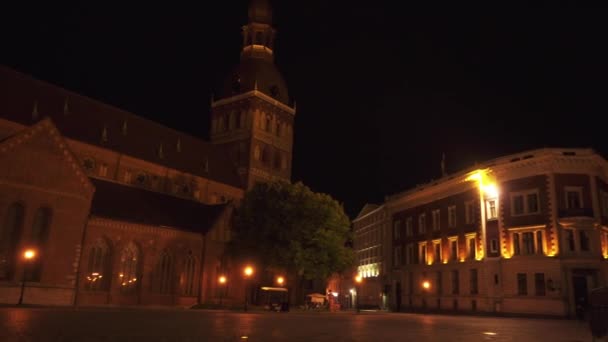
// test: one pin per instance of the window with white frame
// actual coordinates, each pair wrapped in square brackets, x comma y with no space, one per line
[423,254]
[525,202]
[397,229]
[494,246]
[469,212]
[491,210]
[528,242]
[574,197]
[409,227]
[437,251]
[422,224]
[436,219]
[452,216]
[471,246]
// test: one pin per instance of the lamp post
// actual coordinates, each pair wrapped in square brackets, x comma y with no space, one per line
[358,281]
[28,256]
[248,272]
[222,281]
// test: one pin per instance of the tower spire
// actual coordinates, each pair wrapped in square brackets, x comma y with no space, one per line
[258,34]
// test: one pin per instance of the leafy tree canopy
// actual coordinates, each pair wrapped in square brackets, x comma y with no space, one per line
[287,226]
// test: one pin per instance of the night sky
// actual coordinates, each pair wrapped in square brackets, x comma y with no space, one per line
[383,88]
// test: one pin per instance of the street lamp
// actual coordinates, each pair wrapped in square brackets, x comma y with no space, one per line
[280,280]
[28,256]
[358,281]
[248,272]
[222,281]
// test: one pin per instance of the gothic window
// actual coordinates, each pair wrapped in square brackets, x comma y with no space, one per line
[188,278]
[98,267]
[128,275]
[164,273]
[40,234]
[10,232]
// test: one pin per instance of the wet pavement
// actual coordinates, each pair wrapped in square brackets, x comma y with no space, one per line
[109,325]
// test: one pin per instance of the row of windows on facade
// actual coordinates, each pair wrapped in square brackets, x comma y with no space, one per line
[530,242]
[263,154]
[540,284]
[368,237]
[522,203]
[145,180]
[167,277]
[13,235]
[237,120]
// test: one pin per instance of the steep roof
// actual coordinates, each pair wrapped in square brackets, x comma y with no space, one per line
[136,205]
[26,100]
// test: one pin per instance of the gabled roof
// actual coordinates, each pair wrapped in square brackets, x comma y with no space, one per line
[46,126]
[90,121]
[136,205]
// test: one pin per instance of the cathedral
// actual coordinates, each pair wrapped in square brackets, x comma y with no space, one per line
[114,209]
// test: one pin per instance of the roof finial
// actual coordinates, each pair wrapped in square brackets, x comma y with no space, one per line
[161,154]
[66,108]
[35,111]
[294,105]
[178,146]
[255,85]
[206,165]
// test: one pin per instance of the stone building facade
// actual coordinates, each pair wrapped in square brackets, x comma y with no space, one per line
[122,210]
[524,233]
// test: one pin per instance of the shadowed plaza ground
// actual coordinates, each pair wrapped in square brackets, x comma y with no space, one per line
[36,324]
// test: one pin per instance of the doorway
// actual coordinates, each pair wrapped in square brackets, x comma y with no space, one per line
[580,288]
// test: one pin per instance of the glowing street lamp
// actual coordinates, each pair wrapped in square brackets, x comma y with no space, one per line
[280,280]
[358,281]
[28,256]
[426,285]
[248,272]
[222,281]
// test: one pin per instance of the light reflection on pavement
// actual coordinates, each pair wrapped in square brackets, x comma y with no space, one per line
[167,325]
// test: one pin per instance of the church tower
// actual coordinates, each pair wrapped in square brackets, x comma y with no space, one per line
[252,117]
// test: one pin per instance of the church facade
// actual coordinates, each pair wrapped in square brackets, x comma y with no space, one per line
[120,210]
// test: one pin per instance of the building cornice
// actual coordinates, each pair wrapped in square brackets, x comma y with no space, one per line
[254,93]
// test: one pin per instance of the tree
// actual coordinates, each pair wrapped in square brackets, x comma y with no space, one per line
[285,226]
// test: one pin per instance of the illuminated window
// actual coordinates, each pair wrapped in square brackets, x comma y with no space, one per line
[574,197]
[164,274]
[452,216]
[528,242]
[188,277]
[492,212]
[469,212]
[10,232]
[437,247]
[99,265]
[423,253]
[128,276]
[436,220]
[471,247]
[525,202]
[40,235]
[454,249]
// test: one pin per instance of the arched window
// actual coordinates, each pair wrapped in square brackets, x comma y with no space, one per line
[128,275]
[164,273]
[188,278]
[10,232]
[97,277]
[40,234]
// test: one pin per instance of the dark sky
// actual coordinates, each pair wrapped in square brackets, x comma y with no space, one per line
[383,88]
